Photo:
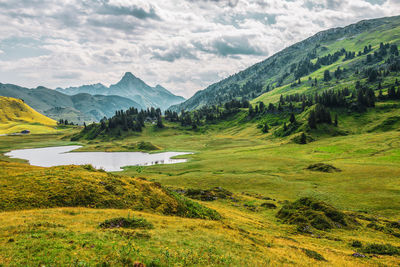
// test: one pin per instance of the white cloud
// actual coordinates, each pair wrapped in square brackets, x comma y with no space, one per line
[183,45]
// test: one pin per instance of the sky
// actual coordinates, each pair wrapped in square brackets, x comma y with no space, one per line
[184,45]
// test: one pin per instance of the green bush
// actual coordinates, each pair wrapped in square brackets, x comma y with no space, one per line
[381,249]
[313,254]
[321,167]
[356,244]
[208,195]
[122,222]
[313,213]
[190,209]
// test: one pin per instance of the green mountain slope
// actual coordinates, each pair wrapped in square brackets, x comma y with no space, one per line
[77,108]
[293,62]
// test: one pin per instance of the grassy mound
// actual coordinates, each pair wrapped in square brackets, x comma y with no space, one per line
[27,187]
[139,146]
[322,167]
[208,195]
[129,222]
[308,212]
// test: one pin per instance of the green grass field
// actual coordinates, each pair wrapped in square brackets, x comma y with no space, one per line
[244,161]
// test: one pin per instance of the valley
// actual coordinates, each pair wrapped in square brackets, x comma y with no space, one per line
[239,159]
[294,161]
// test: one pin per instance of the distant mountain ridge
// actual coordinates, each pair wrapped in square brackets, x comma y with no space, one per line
[76,108]
[133,88]
[278,69]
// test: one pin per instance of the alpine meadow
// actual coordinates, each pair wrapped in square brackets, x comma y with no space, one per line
[292,161]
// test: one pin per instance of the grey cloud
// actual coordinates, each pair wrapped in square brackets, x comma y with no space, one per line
[231,3]
[312,4]
[135,11]
[174,54]
[113,23]
[237,19]
[67,75]
[230,45]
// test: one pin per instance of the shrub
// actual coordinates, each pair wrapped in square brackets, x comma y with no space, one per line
[308,212]
[322,167]
[313,254]
[208,195]
[381,249]
[356,244]
[122,222]
[190,209]
[268,205]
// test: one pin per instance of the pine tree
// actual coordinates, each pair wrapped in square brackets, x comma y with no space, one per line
[336,120]
[265,128]
[251,111]
[303,139]
[312,120]
[292,118]
[327,76]
[159,122]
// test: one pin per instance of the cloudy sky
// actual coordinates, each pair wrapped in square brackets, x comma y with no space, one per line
[183,45]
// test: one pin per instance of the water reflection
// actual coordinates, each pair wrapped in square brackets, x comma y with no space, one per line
[109,161]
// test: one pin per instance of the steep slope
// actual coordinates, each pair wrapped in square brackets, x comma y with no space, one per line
[16,116]
[77,108]
[133,88]
[292,63]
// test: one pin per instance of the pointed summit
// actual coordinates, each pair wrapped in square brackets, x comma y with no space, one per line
[128,75]
[131,80]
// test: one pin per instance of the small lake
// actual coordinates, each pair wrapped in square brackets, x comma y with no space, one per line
[109,161]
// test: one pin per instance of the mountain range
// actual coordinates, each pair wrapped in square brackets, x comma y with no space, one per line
[89,103]
[77,108]
[133,88]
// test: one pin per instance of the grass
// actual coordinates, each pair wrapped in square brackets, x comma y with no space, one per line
[129,222]
[239,158]
[28,187]
[16,116]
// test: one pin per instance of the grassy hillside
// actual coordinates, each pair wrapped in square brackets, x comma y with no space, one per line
[16,116]
[285,67]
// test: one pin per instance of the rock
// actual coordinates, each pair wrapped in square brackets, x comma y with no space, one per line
[358,255]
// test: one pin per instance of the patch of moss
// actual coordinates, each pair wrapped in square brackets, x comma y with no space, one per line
[146,146]
[190,209]
[129,222]
[313,254]
[268,205]
[356,244]
[381,249]
[322,167]
[309,212]
[208,195]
